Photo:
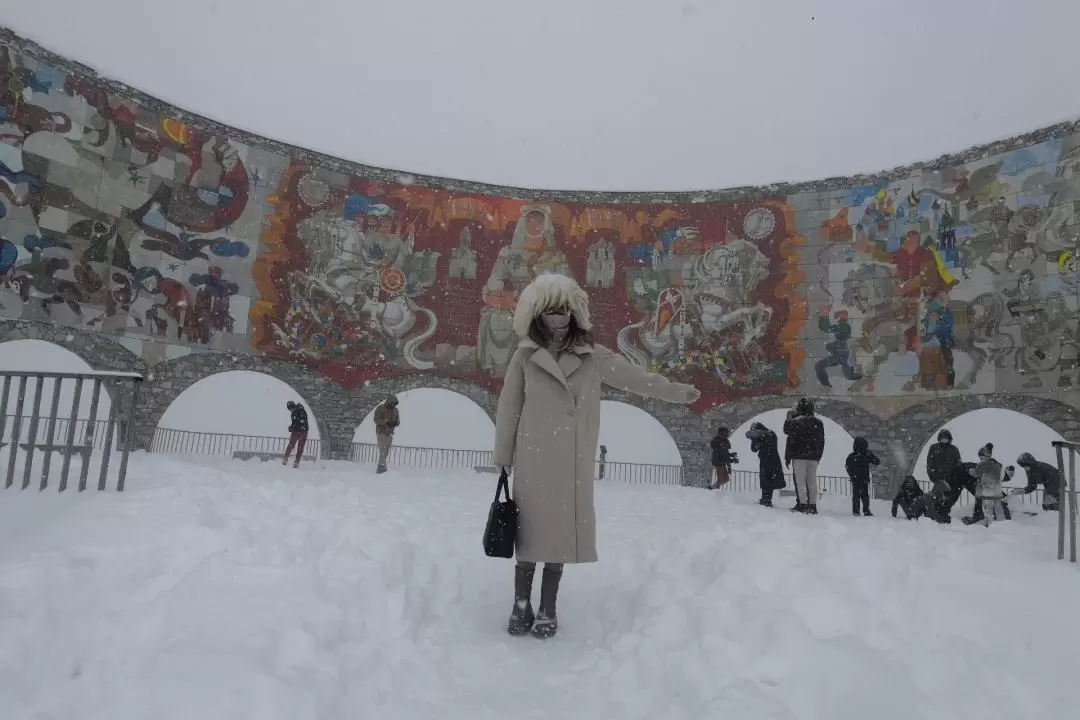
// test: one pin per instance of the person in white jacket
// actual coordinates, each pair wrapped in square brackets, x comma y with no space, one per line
[988,487]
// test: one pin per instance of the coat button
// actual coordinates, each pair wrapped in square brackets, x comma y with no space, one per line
[572,413]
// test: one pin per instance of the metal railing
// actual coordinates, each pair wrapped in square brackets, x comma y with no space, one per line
[447,458]
[640,473]
[86,432]
[748,481]
[169,440]
[1067,491]
[46,434]
[422,457]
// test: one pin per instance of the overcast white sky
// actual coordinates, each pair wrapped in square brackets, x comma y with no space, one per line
[598,94]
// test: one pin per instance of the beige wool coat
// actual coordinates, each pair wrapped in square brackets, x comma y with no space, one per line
[547,429]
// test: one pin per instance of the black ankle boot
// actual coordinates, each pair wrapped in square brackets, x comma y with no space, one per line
[812,509]
[547,624]
[521,617]
[799,507]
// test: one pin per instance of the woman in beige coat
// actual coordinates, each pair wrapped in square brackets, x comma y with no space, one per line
[546,432]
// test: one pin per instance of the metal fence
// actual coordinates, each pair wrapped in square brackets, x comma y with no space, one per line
[447,458]
[169,440]
[40,435]
[1068,493]
[748,481]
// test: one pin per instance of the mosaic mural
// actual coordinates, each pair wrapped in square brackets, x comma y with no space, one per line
[173,238]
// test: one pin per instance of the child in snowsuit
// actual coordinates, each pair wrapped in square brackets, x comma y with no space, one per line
[908,497]
[858,470]
[988,472]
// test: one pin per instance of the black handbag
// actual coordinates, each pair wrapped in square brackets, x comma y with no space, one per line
[501,527]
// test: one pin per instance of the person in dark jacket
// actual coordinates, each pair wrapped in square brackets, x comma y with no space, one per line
[932,504]
[917,503]
[942,458]
[722,458]
[387,420]
[805,446]
[858,470]
[1041,473]
[960,479]
[908,497]
[770,469]
[298,430]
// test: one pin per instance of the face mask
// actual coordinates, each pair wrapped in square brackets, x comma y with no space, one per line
[556,320]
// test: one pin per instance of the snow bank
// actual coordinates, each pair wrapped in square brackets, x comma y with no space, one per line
[220,589]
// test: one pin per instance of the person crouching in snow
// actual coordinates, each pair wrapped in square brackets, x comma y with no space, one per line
[858,470]
[1040,473]
[722,459]
[546,432]
[770,469]
[988,472]
[908,497]
[298,430]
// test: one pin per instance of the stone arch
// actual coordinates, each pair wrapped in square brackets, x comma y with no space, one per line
[642,447]
[443,418]
[330,403]
[914,426]
[679,420]
[100,352]
[375,391]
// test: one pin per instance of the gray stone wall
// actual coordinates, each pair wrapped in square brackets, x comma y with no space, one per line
[896,436]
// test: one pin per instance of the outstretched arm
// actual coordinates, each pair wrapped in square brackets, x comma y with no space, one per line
[619,373]
[508,414]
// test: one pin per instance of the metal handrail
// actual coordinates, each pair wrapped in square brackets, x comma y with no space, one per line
[193,442]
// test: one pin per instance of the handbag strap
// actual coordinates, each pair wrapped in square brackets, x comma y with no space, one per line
[503,486]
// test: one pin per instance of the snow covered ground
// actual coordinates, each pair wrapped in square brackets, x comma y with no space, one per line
[221,589]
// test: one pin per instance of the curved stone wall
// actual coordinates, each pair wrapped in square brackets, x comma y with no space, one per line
[197,247]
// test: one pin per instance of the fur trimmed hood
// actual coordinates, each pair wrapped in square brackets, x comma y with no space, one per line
[547,292]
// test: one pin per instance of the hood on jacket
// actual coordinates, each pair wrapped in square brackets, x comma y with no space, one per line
[860,446]
[944,436]
[548,292]
[1025,460]
[391,401]
[805,406]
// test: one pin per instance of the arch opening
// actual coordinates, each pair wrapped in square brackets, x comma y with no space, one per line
[435,418]
[632,435]
[44,356]
[237,412]
[838,442]
[1009,431]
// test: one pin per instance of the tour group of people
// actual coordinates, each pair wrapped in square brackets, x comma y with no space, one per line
[949,475]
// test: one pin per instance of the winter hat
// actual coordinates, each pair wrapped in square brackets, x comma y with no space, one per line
[290,405]
[1025,459]
[805,406]
[944,436]
[548,292]
[860,445]
[986,450]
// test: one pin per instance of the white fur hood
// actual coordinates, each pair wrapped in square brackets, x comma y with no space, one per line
[547,292]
